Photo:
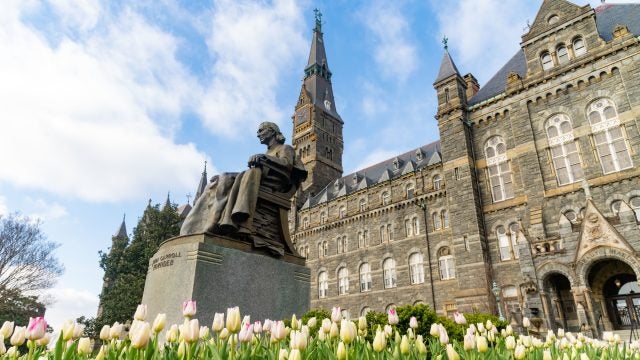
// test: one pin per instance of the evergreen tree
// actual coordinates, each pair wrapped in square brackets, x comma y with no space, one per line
[126,264]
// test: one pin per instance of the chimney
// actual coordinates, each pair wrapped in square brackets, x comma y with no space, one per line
[472,85]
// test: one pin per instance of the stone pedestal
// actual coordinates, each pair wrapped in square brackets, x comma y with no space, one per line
[219,272]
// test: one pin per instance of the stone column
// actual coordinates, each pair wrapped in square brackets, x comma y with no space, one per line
[546,307]
[591,313]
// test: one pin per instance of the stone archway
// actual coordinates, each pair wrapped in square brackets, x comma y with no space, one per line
[615,294]
[556,281]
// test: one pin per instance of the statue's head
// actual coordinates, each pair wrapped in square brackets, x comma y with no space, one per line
[276,131]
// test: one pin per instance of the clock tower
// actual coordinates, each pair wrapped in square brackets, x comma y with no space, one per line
[317,127]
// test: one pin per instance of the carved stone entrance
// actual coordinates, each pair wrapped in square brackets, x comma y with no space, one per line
[616,294]
[560,302]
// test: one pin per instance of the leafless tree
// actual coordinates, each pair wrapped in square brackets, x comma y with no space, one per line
[27,261]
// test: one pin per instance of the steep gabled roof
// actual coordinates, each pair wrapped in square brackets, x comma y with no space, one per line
[447,68]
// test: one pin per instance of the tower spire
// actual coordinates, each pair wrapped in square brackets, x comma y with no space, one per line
[202,186]
[122,229]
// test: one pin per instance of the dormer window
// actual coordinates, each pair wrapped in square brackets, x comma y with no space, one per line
[355,179]
[578,47]
[553,19]
[563,54]
[547,61]
[396,164]
[419,155]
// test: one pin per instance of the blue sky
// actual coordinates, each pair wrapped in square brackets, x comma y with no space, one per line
[106,104]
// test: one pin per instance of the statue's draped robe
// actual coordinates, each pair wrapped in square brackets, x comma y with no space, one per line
[229,203]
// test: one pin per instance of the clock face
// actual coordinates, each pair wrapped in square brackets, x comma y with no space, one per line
[302,115]
[327,104]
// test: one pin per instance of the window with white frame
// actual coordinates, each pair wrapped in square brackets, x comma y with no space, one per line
[546,60]
[305,222]
[383,233]
[342,244]
[635,205]
[504,243]
[564,151]
[437,182]
[363,205]
[408,229]
[389,273]
[389,232]
[323,217]
[445,218]
[325,248]
[323,284]
[563,54]
[366,237]
[510,298]
[579,47]
[342,212]
[416,268]
[386,198]
[498,169]
[409,189]
[435,218]
[343,281]
[447,264]
[608,136]
[513,234]
[416,225]
[365,277]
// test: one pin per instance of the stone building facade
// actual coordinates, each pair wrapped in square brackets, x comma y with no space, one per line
[532,192]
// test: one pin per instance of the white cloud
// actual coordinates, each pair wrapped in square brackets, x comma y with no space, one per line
[93,118]
[44,211]
[394,52]
[68,303]
[82,14]
[4,209]
[253,44]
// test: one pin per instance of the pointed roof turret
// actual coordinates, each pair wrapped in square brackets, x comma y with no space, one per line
[447,66]
[317,76]
[202,185]
[122,230]
[167,203]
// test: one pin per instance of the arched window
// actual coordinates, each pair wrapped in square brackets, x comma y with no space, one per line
[503,243]
[365,310]
[416,269]
[407,228]
[513,234]
[609,138]
[409,190]
[383,234]
[323,217]
[564,151]
[363,205]
[445,218]
[579,47]
[386,198]
[415,225]
[342,244]
[320,250]
[365,277]
[435,218]
[498,169]
[360,239]
[546,60]
[446,95]
[323,284]
[343,281]
[342,212]
[437,182]
[615,207]
[510,297]
[305,222]
[635,205]
[389,273]
[447,264]
[563,54]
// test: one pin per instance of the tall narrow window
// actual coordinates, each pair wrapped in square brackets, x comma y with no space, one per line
[365,234]
[437,182]
[343,281]
[615,207]
[635,205]
[446,95]
[416,269]
[409,190]
[564,151]
[447,264]
[325,248]
[305,223]
[383,234]
[563,54]
[323,285]
[609,138]
[365,277]
[320,250]
[386,198]
[323,217]
[363,205]
[435,218]
[547,61]
[578,47]
[499,169]
[389,273]
[342,212]
[504,243]
[389,232]
[445,218]
[513,234]
[415,225]
[360,239]
[407,228]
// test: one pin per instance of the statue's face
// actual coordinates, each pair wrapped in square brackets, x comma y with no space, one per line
[265,133]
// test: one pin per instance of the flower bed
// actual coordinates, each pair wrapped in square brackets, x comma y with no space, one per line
[232,337]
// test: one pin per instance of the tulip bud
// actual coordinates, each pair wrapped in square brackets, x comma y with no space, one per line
[508,330]
[546,355]
[189,308]
[444,337]
[295,354]
[525,322]
[435,330]
[104,333]
[18,337]
[78,330]
[362,323]
[218,322]
[348,331]
[67,330]
[341,352]
[481,328]
[116,330]
[141,312]
[203,333]
[481,344]
[139,333]
[233,319]
[159,323]
[459,318]
[44,340]
[451,353]
[520,352]
[224,334]
[404,345]
[7,329]
[413,322]
[246,333]
[182,348]
[84,346]
[36,328]
[469,342]
[100,355]
[3,349]
[489,324]
[334,332]
[379,342]
[257,327]
[173,333]
[393,316]
[267,325]
[510,343]
[284,355]
[312,322]
[278,331]
[190,330]
[326,325]
[336,314]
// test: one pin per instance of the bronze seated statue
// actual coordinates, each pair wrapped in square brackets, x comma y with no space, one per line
[252,205]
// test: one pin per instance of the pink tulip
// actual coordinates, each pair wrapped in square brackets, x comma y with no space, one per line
[189,308]
[413,322]
[336,314]
[36,328]
[246,333]
[459,318]
[393,316]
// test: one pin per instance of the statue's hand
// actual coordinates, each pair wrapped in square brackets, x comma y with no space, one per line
[257,160]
